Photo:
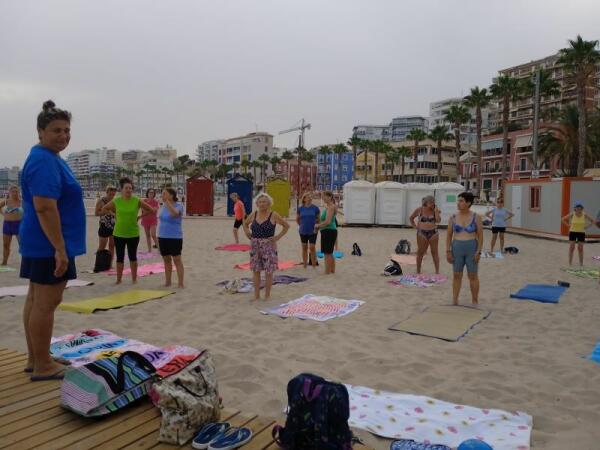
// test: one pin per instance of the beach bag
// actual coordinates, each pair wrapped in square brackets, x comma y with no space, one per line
[106,385]
[317,418]
[403,247]
[392,268]
[103,261]
[356,251]
[187,400]
[511,250]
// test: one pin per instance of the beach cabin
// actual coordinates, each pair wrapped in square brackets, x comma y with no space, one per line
[539,204]
[446,195]
[200,196]
[279,189]
[359,202]
[243,187]
[414,197]
[390,205]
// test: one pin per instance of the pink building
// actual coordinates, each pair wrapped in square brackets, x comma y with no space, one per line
[308,175]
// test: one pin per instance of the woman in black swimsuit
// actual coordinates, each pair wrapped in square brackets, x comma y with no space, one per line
[427,234]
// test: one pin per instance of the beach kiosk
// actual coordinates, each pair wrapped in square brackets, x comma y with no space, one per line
[390,205]
[243,187]
[539,204]
[200,196]
[446,195]
[279,190]
[414,196]
[359,202]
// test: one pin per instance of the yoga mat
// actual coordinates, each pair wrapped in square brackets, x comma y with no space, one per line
[595,355]
[419,280]
[15,291]
[495,255]
[583,273]
[597,258]
[113,301]
[337,254]
[313,307]
[6,269]
[544,293]
[245,285]
[234,247]
[281,265]
[143,270]
[404,259]
[446,322]
[145,255]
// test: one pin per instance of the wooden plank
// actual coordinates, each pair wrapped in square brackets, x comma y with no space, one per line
[10,368]
[28,391]
[31,386]
[139,438]
[31,420]
[14,359]
[28,403]
[15,438]
[17,381]
[7,353]
[261,429]
[24,413]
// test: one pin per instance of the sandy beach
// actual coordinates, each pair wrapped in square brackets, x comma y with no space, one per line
[525,356]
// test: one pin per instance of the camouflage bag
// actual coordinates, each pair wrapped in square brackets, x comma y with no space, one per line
[187,400]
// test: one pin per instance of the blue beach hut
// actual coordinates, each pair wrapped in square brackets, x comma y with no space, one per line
[243,187]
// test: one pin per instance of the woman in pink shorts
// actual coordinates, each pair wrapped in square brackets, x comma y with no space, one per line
[260,229]
[150,220]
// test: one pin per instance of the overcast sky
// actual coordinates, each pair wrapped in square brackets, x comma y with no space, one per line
[140,74]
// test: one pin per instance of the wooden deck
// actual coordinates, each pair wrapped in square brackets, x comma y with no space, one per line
[31,417]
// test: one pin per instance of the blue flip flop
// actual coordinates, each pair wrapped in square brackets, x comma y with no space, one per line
[55,376]
[208,433]
[232,438]
[337,254]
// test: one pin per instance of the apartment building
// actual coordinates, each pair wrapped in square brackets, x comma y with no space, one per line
[9,176]
[93,168]
[468,131]
[334,170]
[372,132]
[307,171]
[427,163]
[209,150]
[400,127]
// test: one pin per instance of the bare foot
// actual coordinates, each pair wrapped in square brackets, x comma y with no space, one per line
[167,284]
[133,281]
[180,286]
[50,369]
[455,303]
[118,282]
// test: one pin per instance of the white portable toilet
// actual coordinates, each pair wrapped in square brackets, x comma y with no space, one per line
[390,205]
[359,202]
[414,197]
[446,195]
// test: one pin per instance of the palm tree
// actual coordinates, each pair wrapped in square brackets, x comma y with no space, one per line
[377,148]
[287,156]
[255,165]
[581,62]
[245,164]
[366,145]
[325,150]
[264,159]
[457,115]
[478,99]
[309,157]
[505,90]
[275,160]
[354,142]
[234,167]
[439,134]
[403,152]
[392,155]
[339,150]
[416,135]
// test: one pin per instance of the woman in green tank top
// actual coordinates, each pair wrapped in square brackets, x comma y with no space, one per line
[328,227]
[126,232]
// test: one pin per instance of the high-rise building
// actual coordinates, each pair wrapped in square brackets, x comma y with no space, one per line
[334,170]
[401,126]
[93,168]
[468,131]
[372,132]
[9,176]
[209,150]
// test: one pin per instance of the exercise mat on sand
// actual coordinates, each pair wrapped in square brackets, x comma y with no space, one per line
[315,307]
[16,291]
[281,265]
[143,270]
[446,322]
[544,293]
[113,301]
[234,247]
[583,273]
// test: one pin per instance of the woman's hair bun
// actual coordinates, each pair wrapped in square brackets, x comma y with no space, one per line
[48,105]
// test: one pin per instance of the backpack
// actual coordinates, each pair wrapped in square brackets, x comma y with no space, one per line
[392,268]
[103,261]
[356,251]
[403,247]
[511,250]
[317,418]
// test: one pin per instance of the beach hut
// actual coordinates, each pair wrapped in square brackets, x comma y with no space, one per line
[242,186]
[390,205]
[359,202]
[539,204]
[414,197]
[280,189]
[446,195]
[200,196]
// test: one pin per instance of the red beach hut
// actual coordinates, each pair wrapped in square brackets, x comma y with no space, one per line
[200,196]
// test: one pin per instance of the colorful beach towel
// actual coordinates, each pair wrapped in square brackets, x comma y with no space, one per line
[234,247]
[6,269]
[113,301]
[409,260]
[595,355]
[145,255]
[597,258]
[90,345]
[409,444]
[282,265]
[337,255]
[544,293]
[16,291]
[143,270]
[314,307]
[245,285]
[419,280]
[495,255]
[432,421]
[583,272]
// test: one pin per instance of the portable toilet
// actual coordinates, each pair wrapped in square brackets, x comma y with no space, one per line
[200,196]
[390,205]
[446,195]
[359,202]
[279,190]
[414,197]
[242,187]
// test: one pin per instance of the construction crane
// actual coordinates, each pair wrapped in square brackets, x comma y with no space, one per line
[302,127]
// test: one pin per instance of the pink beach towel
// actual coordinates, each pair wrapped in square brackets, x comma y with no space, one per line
[143,271]
[282,265]
[234,247]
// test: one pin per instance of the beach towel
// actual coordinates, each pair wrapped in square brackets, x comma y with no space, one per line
[432,421]
[15,291]
[245,285]
[143,271]
[583,273]
[93,344]
[145,255]
[495,255]
[595,355]
[410,260]
[544,293]
[282,265]
[446,322]
[597,258]
[234,247]
[6,269]
[419,280]
[409,444]
[314,307]
[337,255]
[112,301]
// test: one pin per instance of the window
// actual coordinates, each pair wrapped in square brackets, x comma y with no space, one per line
[487,184]
[523,164]
[535,194]
[487,167]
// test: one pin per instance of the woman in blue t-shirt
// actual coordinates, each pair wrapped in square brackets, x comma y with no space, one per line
[170,235]
[307,217]
[51,235]
[499,216]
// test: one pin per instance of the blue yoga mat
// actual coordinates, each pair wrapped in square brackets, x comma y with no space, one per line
[336,254]
[545,293]
[595,355]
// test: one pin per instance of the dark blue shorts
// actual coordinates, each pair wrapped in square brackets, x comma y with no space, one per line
[11,227]
[41,270]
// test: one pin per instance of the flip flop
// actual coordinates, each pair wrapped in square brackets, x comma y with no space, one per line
[63,361]
[233,438]
[55,376]
[208,433]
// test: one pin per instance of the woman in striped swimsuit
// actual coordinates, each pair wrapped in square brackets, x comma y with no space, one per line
[427,234]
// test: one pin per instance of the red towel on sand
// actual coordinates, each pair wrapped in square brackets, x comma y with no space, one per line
[234,247]
[282,265]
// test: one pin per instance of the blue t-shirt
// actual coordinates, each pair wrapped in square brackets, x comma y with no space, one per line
[169,227]
[46,174]
[499,215]
[308,218]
